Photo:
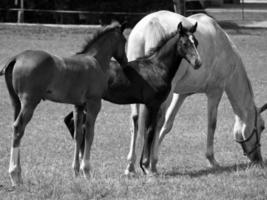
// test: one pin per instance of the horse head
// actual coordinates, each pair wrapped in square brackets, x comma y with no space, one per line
[187,45]
[251,142]
[119,54]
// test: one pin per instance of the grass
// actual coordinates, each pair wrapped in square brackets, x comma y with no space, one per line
[47,148]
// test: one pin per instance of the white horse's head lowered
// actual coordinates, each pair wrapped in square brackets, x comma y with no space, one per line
[188,45]
[250,141]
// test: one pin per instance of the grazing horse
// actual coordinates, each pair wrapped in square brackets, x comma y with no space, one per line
[147,80]
[81,80]
[222,70]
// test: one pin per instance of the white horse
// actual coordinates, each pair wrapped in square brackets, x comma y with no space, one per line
[222,70]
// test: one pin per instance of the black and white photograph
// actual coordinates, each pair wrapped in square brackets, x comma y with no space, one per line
[138,100]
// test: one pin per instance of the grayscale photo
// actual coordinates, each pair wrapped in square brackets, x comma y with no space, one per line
[138,100]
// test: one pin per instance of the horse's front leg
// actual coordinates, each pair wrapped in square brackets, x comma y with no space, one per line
[78,136]
[131,158]
[92,110]
[213,103]
[169,114]
[148,160]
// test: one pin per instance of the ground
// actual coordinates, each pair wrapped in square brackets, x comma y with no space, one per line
[47,148]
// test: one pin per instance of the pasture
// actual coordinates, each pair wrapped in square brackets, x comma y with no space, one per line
[47,148]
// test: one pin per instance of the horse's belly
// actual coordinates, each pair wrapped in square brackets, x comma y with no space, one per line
[65,96]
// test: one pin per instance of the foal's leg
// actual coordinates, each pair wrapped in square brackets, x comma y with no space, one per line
[149,120]
[22,116]
[78,137]
[93,108]
[175,105]
[134,130]
[213,102]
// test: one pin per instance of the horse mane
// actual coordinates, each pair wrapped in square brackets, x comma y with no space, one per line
[91,39]
[161,43]
[156,37]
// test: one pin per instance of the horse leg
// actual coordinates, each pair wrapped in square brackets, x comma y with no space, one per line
[131,158]
[214,98]
[22,114]
[175,105]
[147,162]
[92,108]
[78,137]
[154,149]
[69,122]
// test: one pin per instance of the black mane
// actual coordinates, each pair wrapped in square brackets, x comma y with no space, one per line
[160,44]
[91,39]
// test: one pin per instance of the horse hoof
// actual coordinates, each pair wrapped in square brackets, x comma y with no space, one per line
[129,174]
[16,179]
[86,169]
[87,175]
[130,171]
[212,163]
[152,177]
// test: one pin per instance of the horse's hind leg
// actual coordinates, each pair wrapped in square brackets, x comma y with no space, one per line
[92,108]
[78,137]
[213,103]
[23,116]
[130,169]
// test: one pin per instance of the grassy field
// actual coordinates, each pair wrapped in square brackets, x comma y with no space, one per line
[47,148]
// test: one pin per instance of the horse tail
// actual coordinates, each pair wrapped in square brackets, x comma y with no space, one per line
[8,72]
[154,33]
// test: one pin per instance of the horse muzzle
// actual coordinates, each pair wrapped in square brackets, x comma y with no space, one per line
[197,64]
[194,59]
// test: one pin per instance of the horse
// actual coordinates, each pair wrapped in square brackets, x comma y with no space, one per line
[147,80]
[80,80]
[222,70]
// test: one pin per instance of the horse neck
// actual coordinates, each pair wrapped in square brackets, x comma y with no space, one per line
[240,94]
[168,58]
[102,50]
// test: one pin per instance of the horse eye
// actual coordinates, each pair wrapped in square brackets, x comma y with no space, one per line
[262,128]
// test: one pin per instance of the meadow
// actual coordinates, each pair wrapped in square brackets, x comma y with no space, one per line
[47,148]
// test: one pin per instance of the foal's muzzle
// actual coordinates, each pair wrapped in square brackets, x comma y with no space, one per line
[195,61]
[197,64]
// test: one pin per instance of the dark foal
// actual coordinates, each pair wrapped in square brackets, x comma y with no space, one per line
[148,81]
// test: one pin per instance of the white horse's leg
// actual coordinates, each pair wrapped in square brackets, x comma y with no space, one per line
[78,137]
[92,110]
[175,105]
[23,117]
[131,158]
[213,103]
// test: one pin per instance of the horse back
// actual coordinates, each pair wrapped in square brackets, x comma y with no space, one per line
[67,80]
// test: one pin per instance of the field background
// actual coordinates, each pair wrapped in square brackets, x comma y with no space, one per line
[47,149]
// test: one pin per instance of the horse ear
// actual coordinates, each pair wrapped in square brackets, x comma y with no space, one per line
[193,28]
[180,28]
[263,108]
[123,26]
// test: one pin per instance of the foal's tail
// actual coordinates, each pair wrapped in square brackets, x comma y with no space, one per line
[8,72]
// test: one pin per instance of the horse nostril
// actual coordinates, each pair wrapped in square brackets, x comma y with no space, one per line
[198,64]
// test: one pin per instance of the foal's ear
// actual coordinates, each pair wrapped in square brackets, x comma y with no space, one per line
[193,28]
[263,108]
[123,26]
[180,28]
